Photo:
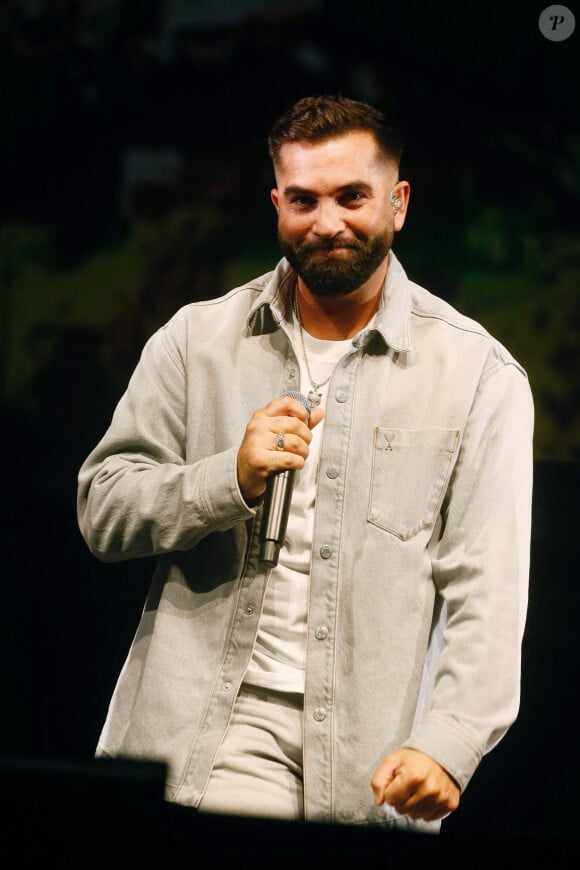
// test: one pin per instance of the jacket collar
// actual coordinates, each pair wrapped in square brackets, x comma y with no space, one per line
[393,315]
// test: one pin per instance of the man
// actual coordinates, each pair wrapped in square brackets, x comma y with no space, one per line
[362,677]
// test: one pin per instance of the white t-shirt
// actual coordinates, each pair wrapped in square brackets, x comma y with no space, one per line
[278,659]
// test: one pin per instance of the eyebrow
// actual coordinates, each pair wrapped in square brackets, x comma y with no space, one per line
[361,186]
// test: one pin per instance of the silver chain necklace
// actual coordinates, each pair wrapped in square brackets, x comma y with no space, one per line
[314,396]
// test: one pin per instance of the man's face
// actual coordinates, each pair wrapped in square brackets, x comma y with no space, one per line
[335,220]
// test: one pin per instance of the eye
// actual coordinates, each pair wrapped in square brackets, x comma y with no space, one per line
[352,199]
[301,203]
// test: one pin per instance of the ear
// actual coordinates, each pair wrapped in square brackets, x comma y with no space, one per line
[275,199]
[402,191]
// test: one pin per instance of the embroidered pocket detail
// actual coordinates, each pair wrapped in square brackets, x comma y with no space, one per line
[410,471]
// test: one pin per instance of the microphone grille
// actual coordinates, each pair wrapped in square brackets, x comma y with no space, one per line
[299,398]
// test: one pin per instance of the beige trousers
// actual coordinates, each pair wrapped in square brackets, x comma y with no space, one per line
[258,767]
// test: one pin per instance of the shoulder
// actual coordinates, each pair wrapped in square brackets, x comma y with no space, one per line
[222,311]
[206,322]
[435,314]
[240,298]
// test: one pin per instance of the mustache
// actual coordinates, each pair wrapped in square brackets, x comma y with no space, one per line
[328,245]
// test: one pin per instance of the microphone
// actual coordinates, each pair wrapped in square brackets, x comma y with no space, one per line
[277,505]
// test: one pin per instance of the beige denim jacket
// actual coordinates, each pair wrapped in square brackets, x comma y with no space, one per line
[420,557]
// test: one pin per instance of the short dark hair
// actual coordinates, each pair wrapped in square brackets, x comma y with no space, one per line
[313,119]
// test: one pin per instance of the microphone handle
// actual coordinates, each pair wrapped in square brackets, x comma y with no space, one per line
[275,515]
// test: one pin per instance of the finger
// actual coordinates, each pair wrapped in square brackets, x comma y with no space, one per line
[295,409]
[428,809]
[288,407]
[288,423]
[316,416]
[421,809]
[287,442]
[382,779]
[296,434]
[422,800]
[399,793]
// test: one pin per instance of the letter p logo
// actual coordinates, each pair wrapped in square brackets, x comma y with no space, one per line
[557,23]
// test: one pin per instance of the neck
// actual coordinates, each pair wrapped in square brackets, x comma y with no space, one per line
[342,317]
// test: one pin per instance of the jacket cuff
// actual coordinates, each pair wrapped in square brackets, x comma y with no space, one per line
[453,745]
[221,492]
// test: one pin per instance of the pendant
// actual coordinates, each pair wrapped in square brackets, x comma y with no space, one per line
[314,398]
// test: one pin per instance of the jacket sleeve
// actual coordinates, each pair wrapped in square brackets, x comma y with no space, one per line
[137,495]
[481,569]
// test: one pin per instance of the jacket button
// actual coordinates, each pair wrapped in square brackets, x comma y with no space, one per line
[326,551]
[319,714]
[321,632]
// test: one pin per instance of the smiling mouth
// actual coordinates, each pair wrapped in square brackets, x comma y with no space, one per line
[339,249]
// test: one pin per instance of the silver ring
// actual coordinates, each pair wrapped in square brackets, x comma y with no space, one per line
[279,441]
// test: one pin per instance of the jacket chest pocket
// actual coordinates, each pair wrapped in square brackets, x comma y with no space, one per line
[410,470]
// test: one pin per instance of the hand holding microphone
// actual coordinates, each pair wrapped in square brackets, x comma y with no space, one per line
[277,501]
[274,447]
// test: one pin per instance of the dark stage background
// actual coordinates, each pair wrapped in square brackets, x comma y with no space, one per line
[134,178]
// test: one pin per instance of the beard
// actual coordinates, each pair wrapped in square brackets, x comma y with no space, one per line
[332,277]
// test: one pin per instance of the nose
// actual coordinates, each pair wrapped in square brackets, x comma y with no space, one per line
[328,222]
